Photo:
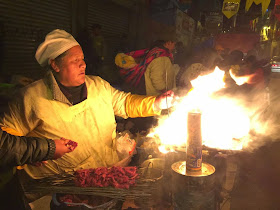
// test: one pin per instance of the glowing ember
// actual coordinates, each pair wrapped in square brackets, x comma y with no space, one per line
[225,121]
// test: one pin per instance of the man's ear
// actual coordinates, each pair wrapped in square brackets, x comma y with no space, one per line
[54,65]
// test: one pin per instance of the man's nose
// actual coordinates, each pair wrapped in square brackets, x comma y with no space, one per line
[83,64]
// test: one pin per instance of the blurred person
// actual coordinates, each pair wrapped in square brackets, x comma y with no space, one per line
[233,62]
[99,48]
[219,49]
[94,48]
[20,150]
[225,53]
[124,44]
[254,72]
[235,57]
[190,71]
[200,63]
[66,102]
[180,55]
[160,74]
[85,41]
[150,72]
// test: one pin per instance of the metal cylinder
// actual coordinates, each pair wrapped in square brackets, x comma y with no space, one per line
[193,190]
[194,142]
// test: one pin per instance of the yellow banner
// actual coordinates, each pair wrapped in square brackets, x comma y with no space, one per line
[230,7]
[265,4]
[259,1]
[248,5]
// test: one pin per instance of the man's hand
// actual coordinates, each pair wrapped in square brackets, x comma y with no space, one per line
[165,100]
[63,146]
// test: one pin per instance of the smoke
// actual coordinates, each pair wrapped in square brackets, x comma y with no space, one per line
[264,118]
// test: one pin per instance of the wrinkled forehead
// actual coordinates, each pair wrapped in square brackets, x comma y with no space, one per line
[75,51]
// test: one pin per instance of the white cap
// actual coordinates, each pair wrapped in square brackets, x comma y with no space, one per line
[56,42]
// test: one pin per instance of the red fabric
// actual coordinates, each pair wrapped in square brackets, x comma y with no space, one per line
[257,80]
[138,53]
[134,75]
[242,42]
[276,10]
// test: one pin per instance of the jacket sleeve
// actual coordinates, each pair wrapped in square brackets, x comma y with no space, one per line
[140,106]
[129,105]
[160,68]
[15,150]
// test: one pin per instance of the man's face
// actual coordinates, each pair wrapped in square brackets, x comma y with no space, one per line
[71,69]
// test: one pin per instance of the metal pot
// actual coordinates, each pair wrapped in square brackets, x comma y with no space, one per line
[149,174]
[157,163]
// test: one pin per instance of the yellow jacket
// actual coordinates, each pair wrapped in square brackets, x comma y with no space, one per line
[42,110]
[155,76]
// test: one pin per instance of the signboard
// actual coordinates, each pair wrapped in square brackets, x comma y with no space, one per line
[213,21]
[184,27]
[230,7]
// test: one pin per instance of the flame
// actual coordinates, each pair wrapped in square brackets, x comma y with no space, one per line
[163,149]
[225,121]
[240,80]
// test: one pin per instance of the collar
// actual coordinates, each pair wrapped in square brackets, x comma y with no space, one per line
[55,90]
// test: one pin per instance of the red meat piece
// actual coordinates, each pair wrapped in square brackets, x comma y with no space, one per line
[72,145]
[118,177]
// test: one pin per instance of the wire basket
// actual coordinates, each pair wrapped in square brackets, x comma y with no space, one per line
[146,184]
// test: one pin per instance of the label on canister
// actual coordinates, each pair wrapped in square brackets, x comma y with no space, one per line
[194,158]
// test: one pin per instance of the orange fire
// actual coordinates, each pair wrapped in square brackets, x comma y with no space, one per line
[240,80]
[225,121]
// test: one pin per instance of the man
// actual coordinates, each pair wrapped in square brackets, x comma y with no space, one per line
[98,46]
[94,48]
[20,150]
[82,108]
